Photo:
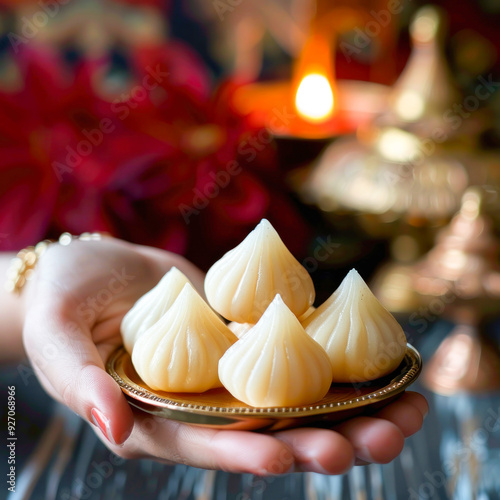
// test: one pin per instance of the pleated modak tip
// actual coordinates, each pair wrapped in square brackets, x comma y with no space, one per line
[276,363]
[362,338]
[151,307]
[181,351]
[246,279]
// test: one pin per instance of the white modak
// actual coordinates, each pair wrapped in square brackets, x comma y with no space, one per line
[246,279]
[276,363]
[151,307]
[362,338]
[286,356]
[181,351]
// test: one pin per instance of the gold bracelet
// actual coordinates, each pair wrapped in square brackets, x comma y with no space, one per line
[66,238]
[23,264]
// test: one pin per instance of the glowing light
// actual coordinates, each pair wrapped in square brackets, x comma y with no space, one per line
[398,146]
[314,99]
[425,27]
[410,105]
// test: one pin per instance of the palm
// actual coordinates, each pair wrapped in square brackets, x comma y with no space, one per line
[101,281]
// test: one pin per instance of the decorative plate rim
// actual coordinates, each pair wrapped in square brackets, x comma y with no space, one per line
[140,393]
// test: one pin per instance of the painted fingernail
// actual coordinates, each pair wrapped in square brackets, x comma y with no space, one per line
[363,453]
[103,423]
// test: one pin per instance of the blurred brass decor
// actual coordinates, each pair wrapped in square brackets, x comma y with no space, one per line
[425,90]
[458,279]
[410,167]
[466,360]
[465,258]
[464,264]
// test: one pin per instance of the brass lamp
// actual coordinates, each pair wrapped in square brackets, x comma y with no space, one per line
[406,172]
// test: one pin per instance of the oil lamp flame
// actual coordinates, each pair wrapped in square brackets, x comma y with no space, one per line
[314,99]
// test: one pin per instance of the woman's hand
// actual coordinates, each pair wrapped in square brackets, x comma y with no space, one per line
[73,309]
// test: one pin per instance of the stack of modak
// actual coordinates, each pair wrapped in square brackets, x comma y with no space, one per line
[278,350]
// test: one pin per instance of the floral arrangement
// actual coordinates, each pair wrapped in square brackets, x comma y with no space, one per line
[148,152]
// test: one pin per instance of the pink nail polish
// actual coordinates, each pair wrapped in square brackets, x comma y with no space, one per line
[103,423]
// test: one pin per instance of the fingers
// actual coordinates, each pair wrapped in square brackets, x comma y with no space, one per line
[359,441]
[319,450]
[380,438]
[315,450]
[63,353]
[228,450]
[407,413]
[374,439]
[362,440]
[417,400]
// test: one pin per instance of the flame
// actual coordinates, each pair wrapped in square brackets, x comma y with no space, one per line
[314,99]
[314,79]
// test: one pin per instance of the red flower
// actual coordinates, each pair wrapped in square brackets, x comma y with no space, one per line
[162,163]
[27,140]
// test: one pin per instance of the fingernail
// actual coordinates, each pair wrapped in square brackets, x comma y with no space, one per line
[315,466]
[103,423]
[268,473]
[359,462]
[364,454]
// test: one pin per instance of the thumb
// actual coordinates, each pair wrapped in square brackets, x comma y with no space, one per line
[69,366]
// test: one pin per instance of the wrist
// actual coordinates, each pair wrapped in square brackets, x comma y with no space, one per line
[12,312]
[19,293]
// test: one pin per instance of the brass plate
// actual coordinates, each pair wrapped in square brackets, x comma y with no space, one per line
[217,408]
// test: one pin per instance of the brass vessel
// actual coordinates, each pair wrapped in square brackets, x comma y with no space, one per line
[405,172]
